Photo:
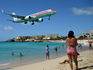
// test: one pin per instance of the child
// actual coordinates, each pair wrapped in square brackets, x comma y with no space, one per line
[80,47]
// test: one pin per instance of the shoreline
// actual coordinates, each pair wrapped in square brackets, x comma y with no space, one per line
[14,40]
[53,64]
[12,65]
[30,61]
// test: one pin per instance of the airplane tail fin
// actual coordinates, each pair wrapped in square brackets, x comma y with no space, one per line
[14,17]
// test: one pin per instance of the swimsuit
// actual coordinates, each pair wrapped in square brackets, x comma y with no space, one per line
[71,43]
[90,45]
[47,54]
[71,51]
[47,51]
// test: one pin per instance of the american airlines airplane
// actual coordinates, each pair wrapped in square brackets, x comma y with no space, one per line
[36,17]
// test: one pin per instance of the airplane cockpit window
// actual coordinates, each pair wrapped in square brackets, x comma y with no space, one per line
[49,10]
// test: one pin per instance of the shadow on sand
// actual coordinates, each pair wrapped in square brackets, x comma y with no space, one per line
[86,67]
[80,60]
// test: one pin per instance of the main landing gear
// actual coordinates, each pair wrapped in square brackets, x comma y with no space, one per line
[32,23]
[25,22]
[49,17]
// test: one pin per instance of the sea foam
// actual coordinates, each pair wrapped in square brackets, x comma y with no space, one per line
[4,64]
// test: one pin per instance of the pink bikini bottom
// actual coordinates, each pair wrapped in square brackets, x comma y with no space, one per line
[71,51]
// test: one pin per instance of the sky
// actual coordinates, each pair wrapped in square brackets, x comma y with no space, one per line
[75,15]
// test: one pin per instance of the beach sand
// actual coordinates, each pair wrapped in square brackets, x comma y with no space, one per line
[85,62]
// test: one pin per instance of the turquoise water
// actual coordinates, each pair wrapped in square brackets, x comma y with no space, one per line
[29,50]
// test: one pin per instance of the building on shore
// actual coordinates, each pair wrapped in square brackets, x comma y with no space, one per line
[48,36]
[89,34]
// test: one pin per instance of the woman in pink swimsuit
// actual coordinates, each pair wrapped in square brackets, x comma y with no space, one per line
[71,49]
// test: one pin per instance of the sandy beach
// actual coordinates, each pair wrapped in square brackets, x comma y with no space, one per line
[85,62]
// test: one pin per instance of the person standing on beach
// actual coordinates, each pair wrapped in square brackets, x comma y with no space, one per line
[47,52]
[71,49]
[90,45]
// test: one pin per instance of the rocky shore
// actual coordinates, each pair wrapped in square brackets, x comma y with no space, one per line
[15,40]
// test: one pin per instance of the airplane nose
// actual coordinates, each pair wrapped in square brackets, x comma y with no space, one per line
[55,11]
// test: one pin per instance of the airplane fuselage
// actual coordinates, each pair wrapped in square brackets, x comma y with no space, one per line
[35,16]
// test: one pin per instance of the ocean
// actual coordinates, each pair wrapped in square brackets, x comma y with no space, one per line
[33,51]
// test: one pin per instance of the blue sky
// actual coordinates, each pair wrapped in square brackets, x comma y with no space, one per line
[76,15]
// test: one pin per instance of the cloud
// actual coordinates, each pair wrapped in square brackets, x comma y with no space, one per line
[8,28]
[87,11]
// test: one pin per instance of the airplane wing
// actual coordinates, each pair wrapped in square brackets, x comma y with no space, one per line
[17,16]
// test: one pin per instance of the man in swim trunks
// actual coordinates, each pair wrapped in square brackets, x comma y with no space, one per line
[90,45]
[55,48]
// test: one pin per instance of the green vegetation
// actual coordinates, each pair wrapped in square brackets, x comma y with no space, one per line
[41,38]
[63,37]
[59,38]
[85,37]
[23,38]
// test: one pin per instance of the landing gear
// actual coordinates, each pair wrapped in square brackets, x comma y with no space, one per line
[49,17]
[25,22]
[32,23]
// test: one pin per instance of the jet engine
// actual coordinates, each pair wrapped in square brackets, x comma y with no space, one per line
[28,17]
[40,20]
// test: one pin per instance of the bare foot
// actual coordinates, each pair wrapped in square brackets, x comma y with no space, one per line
[60,62]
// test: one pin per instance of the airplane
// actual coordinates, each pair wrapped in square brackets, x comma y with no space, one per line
[36,17]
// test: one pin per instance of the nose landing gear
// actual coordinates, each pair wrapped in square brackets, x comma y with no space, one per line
[49,17]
